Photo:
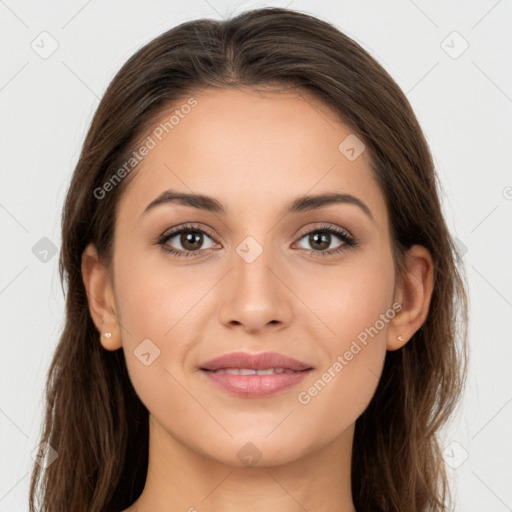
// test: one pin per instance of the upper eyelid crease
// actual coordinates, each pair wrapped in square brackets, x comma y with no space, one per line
[337,230]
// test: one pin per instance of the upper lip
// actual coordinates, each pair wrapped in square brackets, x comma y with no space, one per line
[261,361]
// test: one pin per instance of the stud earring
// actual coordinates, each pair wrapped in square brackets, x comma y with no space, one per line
[107,335]
[401,338]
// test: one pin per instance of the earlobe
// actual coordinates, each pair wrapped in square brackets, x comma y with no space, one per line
[414,294]
[100,298]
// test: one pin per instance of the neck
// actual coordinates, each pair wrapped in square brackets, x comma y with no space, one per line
[181,479]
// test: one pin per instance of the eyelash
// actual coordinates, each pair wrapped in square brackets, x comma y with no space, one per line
[348,240]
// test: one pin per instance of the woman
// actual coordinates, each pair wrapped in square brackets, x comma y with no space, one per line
[264,306]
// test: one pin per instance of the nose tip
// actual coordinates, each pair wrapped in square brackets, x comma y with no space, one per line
[253,297]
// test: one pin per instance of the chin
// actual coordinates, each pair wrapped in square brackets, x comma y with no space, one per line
[258,452]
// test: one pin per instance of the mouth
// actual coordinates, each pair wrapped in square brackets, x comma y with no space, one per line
[255,375]
[255,383]
[254,371]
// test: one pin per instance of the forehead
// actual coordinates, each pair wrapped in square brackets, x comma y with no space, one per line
[252,150]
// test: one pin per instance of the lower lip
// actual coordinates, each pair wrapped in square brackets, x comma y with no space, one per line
[255,386]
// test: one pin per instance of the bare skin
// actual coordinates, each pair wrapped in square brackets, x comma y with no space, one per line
[254,154]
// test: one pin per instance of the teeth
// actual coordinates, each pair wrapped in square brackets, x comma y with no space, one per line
[252,371]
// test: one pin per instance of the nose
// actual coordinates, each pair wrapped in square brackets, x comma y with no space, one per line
[254,295]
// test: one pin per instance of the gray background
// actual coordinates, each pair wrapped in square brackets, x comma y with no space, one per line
[463,101]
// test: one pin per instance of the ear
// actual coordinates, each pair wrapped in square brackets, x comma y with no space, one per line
[414,294]
[100,297]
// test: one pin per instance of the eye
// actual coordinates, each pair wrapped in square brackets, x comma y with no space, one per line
[190,238]
[320,239]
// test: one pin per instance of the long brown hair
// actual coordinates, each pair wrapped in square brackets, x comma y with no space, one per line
[95,421]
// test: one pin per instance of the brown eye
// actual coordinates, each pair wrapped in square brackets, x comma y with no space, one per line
[321,238]
[191,240]
[185,241]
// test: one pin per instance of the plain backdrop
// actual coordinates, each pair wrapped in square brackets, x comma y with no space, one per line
[452,60]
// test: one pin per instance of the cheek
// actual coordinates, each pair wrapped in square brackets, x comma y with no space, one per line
[157,308]
[353,305]
[152,295]
[348,297]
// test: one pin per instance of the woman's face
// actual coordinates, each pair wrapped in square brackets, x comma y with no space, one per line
[251,276]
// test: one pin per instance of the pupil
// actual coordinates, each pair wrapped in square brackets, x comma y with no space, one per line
[187,239]
[324,240]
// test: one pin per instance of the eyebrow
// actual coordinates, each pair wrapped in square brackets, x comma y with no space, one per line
[300,204]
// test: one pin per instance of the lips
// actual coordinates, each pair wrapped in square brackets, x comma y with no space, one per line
[252,371]
[262,361]
[255,375]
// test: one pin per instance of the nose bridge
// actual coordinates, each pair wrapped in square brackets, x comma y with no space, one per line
[253,261]
[253,295]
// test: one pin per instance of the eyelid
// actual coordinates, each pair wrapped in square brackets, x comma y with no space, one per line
[348,240]
[187,227]
[201,227]
[326,226]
